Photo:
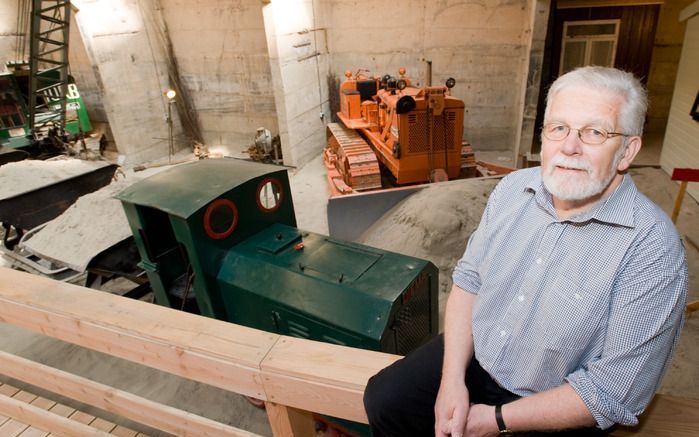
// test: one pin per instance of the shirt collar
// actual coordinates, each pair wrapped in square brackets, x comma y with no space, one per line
[617,208]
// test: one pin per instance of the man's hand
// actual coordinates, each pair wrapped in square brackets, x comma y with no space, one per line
[481,421]
[451,410]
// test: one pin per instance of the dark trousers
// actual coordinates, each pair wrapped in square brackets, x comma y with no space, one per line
[399,400]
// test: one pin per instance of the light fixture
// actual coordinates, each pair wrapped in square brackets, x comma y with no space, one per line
[170,94]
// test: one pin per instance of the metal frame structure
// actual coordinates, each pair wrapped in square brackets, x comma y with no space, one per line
[50,30]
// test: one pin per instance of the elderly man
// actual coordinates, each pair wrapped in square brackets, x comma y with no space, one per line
[568,301]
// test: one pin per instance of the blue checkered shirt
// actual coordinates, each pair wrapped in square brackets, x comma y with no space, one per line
[595,300]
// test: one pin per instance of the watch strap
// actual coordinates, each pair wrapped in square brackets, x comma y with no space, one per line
[501,422]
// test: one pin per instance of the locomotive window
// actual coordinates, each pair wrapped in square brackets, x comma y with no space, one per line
[220,219]
[269,195]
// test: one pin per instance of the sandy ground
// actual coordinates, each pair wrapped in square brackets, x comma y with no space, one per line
[433,224]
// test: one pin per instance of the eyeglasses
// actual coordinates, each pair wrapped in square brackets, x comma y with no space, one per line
[588,135]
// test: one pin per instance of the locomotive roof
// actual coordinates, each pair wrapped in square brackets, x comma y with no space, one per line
[184,189]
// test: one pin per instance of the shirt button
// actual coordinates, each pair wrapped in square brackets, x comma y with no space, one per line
[539,261]
[503,333]
[577,296]
[520,298]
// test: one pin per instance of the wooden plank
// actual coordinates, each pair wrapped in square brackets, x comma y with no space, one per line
[8,390]
[678,201]
[102,424]
[44,404]
[320,377]
[62,410]
[317,397]
[33,432]
[82,417]
[12,428]
[322,362]
[24,396]
[667,416]
[58,425]
[198,348]
[122,431]
[110,399]
[574,4]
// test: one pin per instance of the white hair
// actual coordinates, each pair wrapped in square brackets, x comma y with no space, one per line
[633,112]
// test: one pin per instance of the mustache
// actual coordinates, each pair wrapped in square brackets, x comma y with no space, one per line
[568,162]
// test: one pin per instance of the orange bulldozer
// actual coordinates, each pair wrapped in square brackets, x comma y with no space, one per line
[413,133]
[392,139]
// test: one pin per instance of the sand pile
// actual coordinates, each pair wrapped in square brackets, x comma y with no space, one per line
[434,224]
[95,222]
[24,176]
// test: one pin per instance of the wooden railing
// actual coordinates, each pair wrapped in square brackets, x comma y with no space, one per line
[293,376]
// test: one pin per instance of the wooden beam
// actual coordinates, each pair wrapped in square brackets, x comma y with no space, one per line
[116,401]
[320,377]
[291,374]
[206,350]
[289,422]
[43,419]
[678,201]
[568,4]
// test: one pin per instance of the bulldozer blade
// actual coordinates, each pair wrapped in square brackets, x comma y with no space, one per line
[352,214]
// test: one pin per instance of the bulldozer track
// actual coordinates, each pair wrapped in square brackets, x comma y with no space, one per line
[353,158]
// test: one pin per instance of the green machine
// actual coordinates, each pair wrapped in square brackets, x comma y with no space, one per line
[219,238]
[15,129]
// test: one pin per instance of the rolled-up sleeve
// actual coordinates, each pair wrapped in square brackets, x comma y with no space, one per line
[645,318]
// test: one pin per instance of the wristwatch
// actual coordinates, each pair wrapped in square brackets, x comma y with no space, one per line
[504,431]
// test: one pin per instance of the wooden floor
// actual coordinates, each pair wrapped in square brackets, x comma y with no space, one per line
[10,427]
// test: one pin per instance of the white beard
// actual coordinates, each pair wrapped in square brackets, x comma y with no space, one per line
[584,185]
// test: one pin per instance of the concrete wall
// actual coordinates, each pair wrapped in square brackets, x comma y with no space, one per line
[131,75]
[252,63]
[85,76]
[8,31]
[663,68]
[539,19]
[123,69]
[218,57]
[221,50]
[482,44]
[681,148]
[298,54]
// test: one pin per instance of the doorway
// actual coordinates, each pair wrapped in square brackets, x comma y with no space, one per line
[619,36]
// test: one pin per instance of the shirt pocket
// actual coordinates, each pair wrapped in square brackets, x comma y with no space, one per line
[570,315]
